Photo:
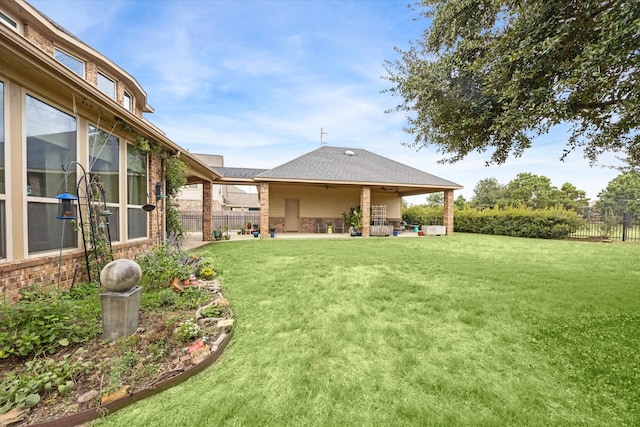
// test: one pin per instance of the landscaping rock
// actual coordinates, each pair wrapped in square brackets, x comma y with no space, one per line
[222,302]
[225,323]
[13,416]
[124,391]
[120,275]
[87,400]
[199,355]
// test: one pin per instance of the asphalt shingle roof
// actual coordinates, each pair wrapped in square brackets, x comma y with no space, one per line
[241,173]
[337,164]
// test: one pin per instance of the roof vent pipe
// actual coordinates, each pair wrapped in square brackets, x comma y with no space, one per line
[349,153]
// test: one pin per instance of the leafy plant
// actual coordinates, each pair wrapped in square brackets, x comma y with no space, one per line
[207,273]
[211,311]
[164,263]
[42,324]
[42,376]
[186,331]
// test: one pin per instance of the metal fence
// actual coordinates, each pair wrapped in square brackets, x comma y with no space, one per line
[613,227]
[236,220]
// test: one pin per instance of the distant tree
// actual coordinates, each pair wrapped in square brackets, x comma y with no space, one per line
[435,199]
[487,193]
[573,198]
[534,191]
[491,75]
[460,202]
[622,194]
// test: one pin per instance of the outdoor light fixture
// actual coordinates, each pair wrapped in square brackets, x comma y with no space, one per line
[66,207]
[158,190]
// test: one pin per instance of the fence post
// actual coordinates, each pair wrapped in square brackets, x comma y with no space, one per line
[624,226]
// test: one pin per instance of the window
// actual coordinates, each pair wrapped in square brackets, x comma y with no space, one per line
[3,221]
[107,85]
[51,144]
[8,22]
[127,101]
[72,63]
[104,161]
[2,173]
[136,192]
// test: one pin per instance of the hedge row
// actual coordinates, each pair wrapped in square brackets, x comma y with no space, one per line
[423,215]
[518,222]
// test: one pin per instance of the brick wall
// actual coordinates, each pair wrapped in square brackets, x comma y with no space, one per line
[53,270]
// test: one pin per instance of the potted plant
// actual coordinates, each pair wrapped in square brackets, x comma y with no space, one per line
[354,219]
[226,232]
[272,231]
[249,226]
[329,228]
[217,234]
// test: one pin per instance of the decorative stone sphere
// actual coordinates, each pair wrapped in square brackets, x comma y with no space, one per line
[120,275]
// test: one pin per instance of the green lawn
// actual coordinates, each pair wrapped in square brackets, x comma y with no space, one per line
[460,330]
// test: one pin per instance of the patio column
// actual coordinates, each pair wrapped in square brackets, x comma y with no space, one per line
[207,211]
[365,205]
[448,211]
[263,196]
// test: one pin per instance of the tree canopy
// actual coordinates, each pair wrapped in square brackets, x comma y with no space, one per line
[491,75]
[530,190]
[621,195]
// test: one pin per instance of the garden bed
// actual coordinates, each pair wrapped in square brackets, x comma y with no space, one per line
[178,336]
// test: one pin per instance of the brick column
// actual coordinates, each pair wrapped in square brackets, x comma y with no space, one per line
[157,217]
[365,205]
[207,211]
[263,196]
[448,211]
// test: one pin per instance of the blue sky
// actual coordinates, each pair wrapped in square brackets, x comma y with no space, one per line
[255,81]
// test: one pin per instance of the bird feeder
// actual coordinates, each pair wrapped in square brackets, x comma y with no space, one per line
[66,206]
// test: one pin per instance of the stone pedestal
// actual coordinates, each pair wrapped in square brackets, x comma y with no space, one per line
[120,313]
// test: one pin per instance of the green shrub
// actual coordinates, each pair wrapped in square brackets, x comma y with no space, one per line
[165,262]
[423,215]
[42,322]
[42,376]
[518,222]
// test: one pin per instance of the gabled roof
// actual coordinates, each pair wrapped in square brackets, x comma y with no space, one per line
[238,173]
[352,166]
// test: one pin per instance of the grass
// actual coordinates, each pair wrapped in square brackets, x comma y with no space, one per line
[463,330]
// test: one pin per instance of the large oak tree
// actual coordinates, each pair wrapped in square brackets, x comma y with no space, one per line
[491,75]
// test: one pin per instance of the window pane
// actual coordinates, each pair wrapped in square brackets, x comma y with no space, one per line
[3,231]
[107,86]
[70,62]
[136,176]
[8,21]
[137,223]
[127,101]
[51,145]
[114,223]
[46,231]
[104,161]
[2,178]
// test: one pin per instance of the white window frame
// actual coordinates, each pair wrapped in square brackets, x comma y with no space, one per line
[8,21]
[111,95]
[62,51]
[124,101]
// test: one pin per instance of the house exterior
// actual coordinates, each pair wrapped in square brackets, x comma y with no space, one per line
[314,190]
[68,112]
[225,197]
